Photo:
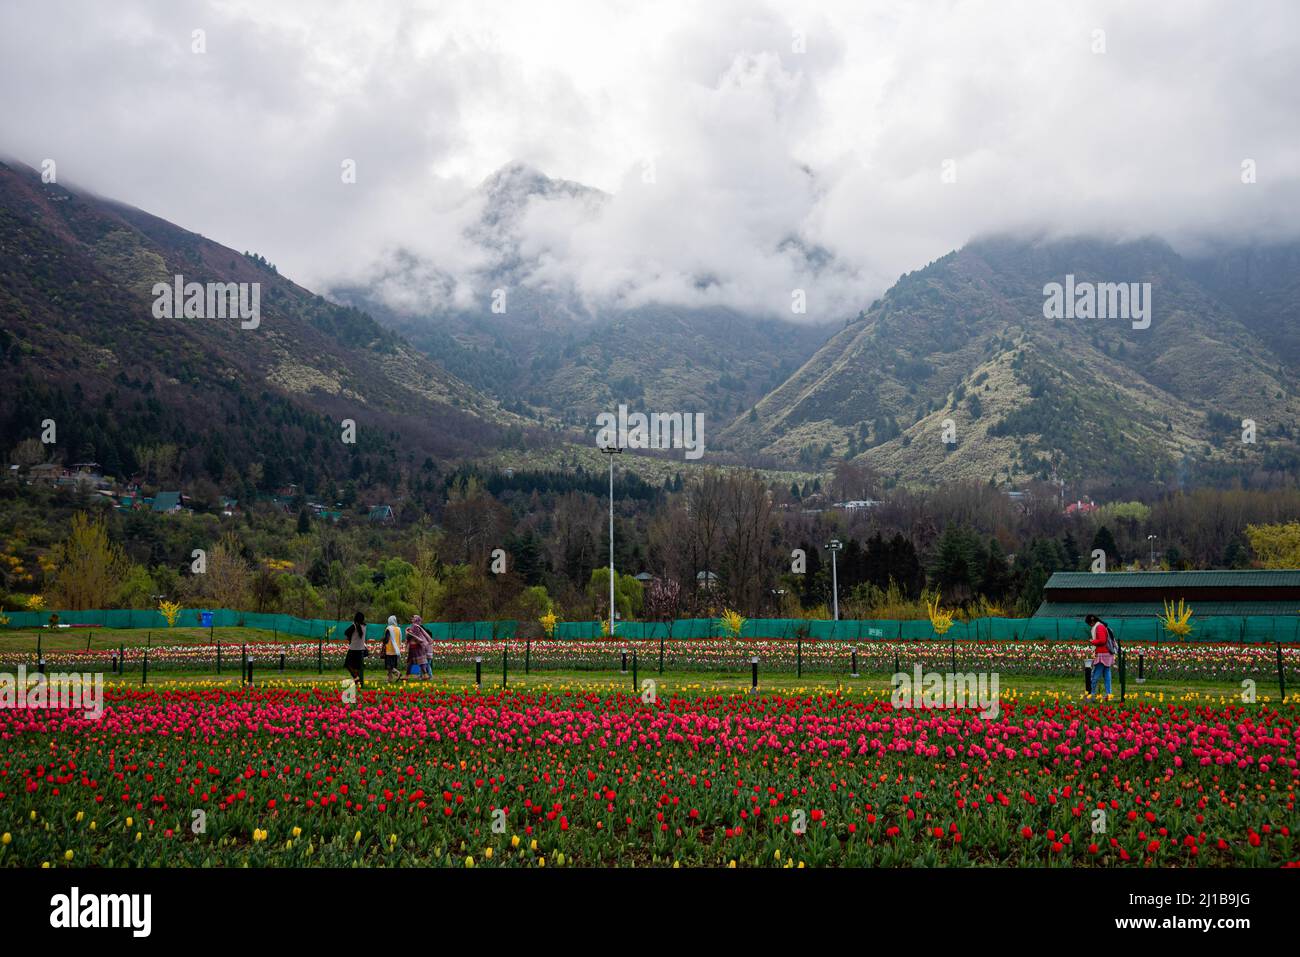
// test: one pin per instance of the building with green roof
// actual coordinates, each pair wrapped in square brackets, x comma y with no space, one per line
[1111,595]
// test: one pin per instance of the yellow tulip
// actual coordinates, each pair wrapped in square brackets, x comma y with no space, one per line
[67,855]
[297,832]
[45,865]
[731,863]
[559,858]
[469,862]
[487,852]
[7,838]
[514,841]
[81,816]
[541,862]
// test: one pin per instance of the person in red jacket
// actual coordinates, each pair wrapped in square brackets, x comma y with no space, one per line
[1102,658]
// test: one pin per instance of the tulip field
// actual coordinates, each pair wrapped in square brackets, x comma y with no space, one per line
[191,773]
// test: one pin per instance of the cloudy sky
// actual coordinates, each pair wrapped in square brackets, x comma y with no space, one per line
[750,148]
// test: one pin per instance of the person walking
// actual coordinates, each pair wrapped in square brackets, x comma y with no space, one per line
[419,644]
[1104,647]
[393,648]
[355,661]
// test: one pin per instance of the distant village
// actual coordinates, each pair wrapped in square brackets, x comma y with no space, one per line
[129,495]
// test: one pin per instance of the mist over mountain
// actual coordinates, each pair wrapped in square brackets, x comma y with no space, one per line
[547,347]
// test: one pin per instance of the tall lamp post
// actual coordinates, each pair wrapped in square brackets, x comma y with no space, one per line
[835,546]
[1152,540]
[611,450]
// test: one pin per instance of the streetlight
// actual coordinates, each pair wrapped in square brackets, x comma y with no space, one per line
[611,450]
[1152,540]
[835,546]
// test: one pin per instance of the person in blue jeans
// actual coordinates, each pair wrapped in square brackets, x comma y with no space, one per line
[1103,660]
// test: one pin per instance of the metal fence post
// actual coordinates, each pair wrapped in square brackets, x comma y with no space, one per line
[1281,674]
[478,671]
[798,656]
[144,669]
[1123,687]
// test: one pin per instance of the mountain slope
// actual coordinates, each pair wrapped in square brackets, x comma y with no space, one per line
[250,408]
[966,339]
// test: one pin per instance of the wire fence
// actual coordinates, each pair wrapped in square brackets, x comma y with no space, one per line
[498,660]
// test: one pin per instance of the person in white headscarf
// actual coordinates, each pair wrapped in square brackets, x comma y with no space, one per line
[393,649]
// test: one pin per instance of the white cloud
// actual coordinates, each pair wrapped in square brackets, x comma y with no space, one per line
[760,154]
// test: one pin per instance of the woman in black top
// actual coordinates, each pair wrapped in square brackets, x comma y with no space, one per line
[356,636]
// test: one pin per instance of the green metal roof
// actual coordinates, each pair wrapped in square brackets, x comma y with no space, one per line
[1237,578]
[165,501]
[1142,609]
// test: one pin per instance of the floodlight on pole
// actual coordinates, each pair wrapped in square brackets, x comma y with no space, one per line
[611,451]
[834,546]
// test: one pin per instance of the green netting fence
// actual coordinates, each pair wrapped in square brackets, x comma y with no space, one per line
[1243,630]
[228,618]
[1249,630]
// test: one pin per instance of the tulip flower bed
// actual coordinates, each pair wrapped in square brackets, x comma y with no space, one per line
[194,776]
[1166,661]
